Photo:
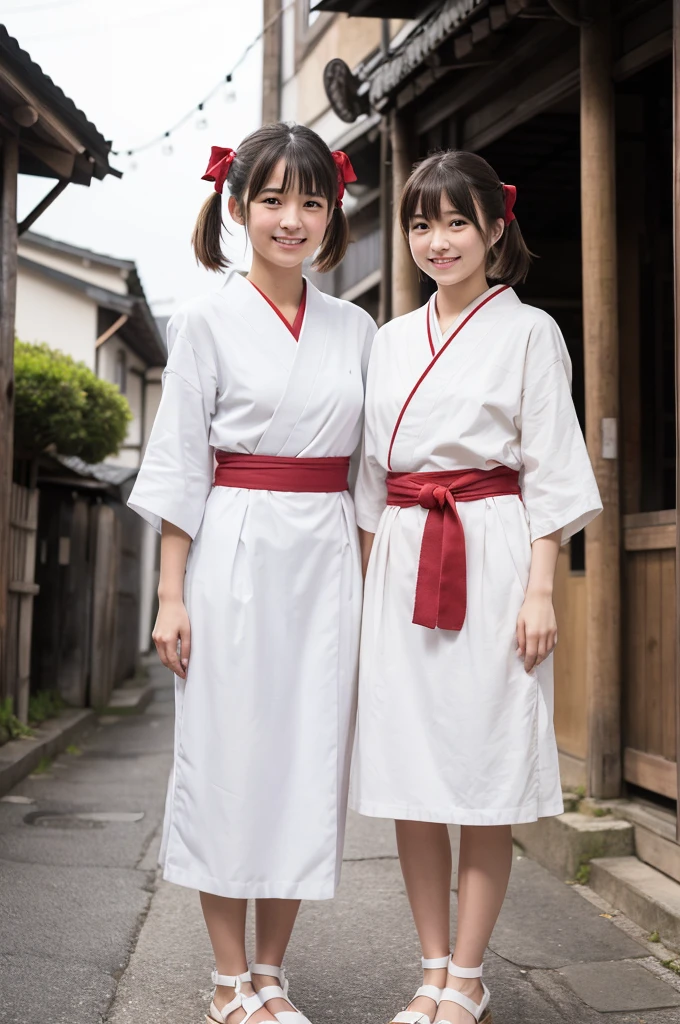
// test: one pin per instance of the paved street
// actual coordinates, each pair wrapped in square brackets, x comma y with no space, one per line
[88,933]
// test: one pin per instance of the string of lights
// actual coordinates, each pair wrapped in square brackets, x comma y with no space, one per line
[163,137]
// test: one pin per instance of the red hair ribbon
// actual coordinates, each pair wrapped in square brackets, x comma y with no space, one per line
[345,172]
[510,193]
[218,166]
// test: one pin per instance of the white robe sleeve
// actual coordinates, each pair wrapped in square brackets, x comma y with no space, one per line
[176,475]
[370,495]
[557,480]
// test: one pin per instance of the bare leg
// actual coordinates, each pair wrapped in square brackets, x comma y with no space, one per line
[425,857]
[483,873]
[226,923]
[274,921]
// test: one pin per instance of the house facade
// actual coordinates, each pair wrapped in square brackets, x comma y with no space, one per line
[93,308]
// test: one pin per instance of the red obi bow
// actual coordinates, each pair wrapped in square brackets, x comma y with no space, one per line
[218,166]
[510,193]
[441,587]
[345,172]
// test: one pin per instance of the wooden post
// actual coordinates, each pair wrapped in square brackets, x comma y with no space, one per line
[385,304]
[8,287]
[676,254]
[600,341]
[271,61]
[405,282]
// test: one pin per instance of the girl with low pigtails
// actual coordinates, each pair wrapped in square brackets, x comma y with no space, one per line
[474,470]
[260,586]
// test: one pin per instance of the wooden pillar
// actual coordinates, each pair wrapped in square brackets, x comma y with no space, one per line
[676,260]
[385,306]
[405,282]
[8,284]
[271,61]
[600,340]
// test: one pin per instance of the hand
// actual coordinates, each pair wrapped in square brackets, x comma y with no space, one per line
[172,624]
[536,629]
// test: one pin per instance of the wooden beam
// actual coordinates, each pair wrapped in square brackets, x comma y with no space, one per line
[405,281]
[676,291]
[601,365]
[44,203]
[649,771]
[8,285]
[110,331]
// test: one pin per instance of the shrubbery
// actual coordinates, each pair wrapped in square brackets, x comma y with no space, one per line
[61,404]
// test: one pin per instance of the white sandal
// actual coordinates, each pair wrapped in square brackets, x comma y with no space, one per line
[479,1011]
[251,1004]
[431,991]
[293,1016]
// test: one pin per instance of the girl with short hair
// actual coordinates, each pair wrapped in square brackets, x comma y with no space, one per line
[474,471]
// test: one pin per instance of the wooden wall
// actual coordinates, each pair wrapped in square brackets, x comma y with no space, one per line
[571,725]
[649,731]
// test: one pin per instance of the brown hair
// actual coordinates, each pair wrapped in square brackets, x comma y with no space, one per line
[471,185]
[309,167]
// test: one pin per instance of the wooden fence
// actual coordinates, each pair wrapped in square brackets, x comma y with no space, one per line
[15,680]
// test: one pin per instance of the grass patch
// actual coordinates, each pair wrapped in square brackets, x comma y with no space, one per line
[10,726]
[672,965]
[601,812]
[73,750]
[654,937]
[580,791]
[583,874]
[43,705]
[43,766]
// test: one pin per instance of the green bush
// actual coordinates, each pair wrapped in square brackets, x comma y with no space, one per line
[61,404]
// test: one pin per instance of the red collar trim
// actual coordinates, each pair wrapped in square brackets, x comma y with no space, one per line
[296,327]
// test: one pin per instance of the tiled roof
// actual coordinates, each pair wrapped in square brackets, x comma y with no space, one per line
[21,63]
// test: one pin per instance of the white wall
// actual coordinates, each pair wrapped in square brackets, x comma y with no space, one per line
[63,317]
[111,278]
[107,368]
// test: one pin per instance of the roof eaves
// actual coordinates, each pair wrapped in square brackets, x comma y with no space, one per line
[55,245]
[434,31]
[102,296]
[52,95]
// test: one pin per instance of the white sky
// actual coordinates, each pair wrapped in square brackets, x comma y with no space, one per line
[135,67]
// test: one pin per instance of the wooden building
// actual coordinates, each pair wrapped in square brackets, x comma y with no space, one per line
[573,102]
[42,133]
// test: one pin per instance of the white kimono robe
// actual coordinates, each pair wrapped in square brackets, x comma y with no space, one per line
[450,726]
[265,720]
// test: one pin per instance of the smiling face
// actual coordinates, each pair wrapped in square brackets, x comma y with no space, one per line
[284,227]
[449,248]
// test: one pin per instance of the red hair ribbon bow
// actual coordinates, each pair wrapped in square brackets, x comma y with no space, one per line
[218,166]
[345,172]
[510,193]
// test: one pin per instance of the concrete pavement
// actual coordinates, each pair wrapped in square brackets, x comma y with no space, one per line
[89,933]
[74,890]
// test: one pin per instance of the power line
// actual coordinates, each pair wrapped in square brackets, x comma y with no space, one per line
[49,5]
[157,139]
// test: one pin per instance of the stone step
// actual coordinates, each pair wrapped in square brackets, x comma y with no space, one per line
[645,895]
[565,843]
[129,699]
[655,839]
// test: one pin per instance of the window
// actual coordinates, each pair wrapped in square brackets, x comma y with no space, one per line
[311,15]
[121,370]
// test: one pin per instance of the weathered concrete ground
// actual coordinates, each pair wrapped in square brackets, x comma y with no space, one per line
[88,933]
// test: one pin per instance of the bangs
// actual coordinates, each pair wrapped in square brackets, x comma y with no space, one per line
[423,194]
[308,171]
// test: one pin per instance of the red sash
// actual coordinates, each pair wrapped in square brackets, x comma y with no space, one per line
[277,473]
[441,588]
